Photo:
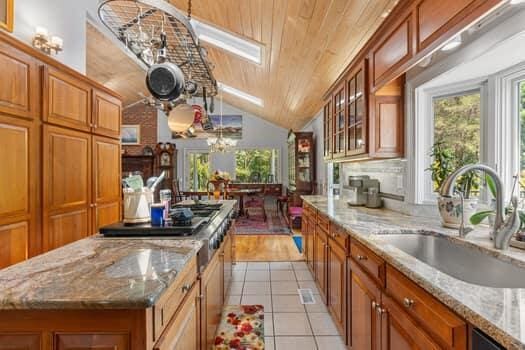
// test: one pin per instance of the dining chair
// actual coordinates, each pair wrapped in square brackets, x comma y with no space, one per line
[255,201]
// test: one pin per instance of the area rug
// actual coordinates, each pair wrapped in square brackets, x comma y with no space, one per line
[255,224]
[241,328]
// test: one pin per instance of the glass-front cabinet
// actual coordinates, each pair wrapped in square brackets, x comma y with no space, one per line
[339,123]
[356,116]
[301,162]
[327,130]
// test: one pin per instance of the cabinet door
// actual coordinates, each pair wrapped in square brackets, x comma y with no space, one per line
[321,259]
[14,243]
[20,83]
[400,332]
[91,341]
[182,332]
[388,127]
[67,100]
[337,285]
[228,270]
[67,186]
[20,341]
[327,130]
[364,328]
[310,243]
[106,181]
[211,303]
[107,111]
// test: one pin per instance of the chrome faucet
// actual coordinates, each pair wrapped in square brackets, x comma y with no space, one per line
[503,230]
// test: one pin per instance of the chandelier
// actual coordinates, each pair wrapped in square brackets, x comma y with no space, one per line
[221,144]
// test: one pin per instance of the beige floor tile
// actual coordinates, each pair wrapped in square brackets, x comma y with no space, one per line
[286,275]
[258,266]
[303,275]
[291,324]
[240,266]
[330,343]
[309,284]
[233,300]
[280,265]
[269,343]
[238,275]
[287,303]
[236,288]
[295,343]
[257,276]
[268,324]
[264,300]
[319,305]
[257,288]
[322,324]
[284,287]
[299,265]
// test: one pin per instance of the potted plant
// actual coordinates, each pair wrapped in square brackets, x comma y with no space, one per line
[443,164]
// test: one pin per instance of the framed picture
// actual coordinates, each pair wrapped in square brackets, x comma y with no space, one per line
[6,14]
[130,134]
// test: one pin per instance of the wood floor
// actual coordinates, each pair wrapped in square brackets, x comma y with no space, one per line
[266,248]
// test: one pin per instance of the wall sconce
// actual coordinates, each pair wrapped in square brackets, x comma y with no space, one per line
[42,41]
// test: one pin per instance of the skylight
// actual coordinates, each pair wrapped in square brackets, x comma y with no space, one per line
[229,42]
[233,91]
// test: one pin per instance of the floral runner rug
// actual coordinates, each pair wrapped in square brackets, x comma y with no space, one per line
[255,224]
[241,328]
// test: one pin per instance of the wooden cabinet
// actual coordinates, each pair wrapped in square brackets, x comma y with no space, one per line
[301,162]
[20,341]
[227,251]
[310,242]
[327,130]
[337,288]
[182,332]
[211,302]
[388,127]
[67,186]
[20,83]
[357,111]
[67,100]
[107,112]
[321,261]
[339,123]
[91,341]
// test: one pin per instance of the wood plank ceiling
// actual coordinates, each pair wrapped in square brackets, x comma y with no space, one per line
[307,43]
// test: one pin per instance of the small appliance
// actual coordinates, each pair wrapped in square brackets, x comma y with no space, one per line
[357,190]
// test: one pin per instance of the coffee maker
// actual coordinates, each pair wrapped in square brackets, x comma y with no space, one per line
[362,190]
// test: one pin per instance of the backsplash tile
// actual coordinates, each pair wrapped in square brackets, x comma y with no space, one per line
[390,173]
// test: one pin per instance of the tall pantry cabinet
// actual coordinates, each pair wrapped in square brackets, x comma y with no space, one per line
[59,154]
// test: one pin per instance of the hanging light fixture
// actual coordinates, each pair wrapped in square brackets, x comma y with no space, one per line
[221,144]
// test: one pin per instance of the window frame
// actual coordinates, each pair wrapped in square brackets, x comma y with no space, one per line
[187,166]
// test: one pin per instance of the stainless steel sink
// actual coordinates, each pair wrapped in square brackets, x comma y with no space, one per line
[459,261]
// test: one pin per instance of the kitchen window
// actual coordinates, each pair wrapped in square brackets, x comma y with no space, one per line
[197,170]
[257,165]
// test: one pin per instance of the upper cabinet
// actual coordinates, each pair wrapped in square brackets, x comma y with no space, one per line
[364,112]
[107,111]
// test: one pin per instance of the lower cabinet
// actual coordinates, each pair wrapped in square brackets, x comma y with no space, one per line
[337,289]
[227,255]
[182,333]
[212,298]
[91,341]
[321,261]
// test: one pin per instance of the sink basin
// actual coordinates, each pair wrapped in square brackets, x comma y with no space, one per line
[459,261]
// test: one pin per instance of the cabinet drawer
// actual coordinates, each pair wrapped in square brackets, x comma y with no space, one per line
[340,236]
[433,315]
[164,310]
[323,222]
[369,261]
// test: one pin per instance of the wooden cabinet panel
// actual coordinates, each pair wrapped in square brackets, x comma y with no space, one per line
[327,130]
[369,261]
[106,170]
[67,101]
[211,302]
[388,126]
[106,214]
[16,155]
[433,17]
[228,263]
[20,83]
[21,341]
[400,332]
[63,228]
[14,243]
[182,332]
[92,341]
[337,291]
[310,244]
[395,50]
[107,111]
[321,259]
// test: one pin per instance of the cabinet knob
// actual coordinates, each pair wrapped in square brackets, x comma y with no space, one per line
[361,257]
[186,288]
[374,304]
[408,302]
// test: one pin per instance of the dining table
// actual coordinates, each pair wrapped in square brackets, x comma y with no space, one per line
[240,193]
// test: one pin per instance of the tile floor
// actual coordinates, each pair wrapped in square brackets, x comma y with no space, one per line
[289,325]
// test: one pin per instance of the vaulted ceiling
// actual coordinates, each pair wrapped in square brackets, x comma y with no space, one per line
[307,43]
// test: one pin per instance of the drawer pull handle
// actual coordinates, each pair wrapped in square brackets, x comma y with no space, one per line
[374,305]
[186,288]
[361,257]
[408,302]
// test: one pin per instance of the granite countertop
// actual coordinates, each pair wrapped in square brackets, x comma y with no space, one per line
[499,312]
[96,273]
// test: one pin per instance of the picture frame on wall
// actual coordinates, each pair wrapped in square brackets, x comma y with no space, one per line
[130,134]
[7,14]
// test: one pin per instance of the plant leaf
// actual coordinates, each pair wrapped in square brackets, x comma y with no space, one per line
[491,185]
[478,217]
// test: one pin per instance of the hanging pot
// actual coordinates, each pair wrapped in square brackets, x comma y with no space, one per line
[165,81]
[181,118]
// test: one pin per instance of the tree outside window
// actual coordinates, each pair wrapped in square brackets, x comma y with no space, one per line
[257,165]
[199,171]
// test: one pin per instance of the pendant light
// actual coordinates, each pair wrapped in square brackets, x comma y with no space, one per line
[221,144]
